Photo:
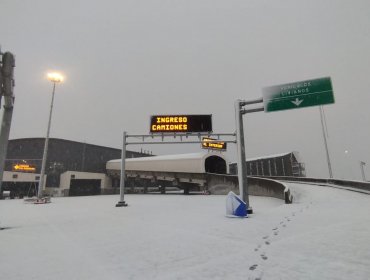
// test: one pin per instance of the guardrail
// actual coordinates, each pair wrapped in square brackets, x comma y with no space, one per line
[357,185]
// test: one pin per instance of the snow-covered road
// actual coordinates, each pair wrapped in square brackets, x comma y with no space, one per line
[324,234]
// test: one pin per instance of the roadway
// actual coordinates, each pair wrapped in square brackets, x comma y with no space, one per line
[324,234]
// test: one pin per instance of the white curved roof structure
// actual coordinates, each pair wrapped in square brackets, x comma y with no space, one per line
[190,163]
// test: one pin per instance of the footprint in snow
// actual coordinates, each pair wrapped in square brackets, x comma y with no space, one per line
[253,267]
[258,247]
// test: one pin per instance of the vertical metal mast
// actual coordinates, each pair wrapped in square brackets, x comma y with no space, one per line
[46,147]
[242,168]
[325,141]
[122,202]
[6,90]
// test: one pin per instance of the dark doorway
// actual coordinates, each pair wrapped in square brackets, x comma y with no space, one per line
[215,164]
[20,189]
[80,187]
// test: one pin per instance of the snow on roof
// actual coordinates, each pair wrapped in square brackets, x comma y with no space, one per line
[296,155]
[172,157]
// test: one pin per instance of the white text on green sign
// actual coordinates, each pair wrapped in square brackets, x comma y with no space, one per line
[298,95]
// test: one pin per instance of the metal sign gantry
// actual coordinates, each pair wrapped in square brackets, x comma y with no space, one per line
[181,138]
[281,97]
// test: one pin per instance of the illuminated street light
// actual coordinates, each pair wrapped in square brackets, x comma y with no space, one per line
[55,78]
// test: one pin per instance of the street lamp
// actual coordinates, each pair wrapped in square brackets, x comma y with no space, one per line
[362,164]
[55,78]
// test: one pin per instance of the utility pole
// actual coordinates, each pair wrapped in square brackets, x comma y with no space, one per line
[324,132]
[6,90]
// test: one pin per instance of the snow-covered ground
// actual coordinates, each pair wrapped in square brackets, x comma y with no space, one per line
[325,234]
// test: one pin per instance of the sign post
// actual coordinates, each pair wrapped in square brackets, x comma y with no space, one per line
[121,202]
[242,164]
[277,98]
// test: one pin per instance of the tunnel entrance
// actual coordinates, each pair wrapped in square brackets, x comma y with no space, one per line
[215,164]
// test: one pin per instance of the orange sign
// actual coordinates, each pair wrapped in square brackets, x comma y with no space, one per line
[24,167]
[213,144]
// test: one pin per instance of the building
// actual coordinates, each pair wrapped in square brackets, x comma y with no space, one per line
[286,164]
[72,168]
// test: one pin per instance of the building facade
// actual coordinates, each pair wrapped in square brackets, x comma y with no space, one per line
[287,164]
[81,161]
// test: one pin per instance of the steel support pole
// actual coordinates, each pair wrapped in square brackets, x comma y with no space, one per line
[121,202]
[46,147]
[6,89]
[242,165]
[325,141]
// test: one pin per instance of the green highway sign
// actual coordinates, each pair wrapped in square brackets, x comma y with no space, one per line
[298,95]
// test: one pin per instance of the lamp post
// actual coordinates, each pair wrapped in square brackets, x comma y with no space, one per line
[362,164]
[324,134]
[54,78]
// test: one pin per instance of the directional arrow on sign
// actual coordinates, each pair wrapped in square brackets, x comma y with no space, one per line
[297,102]
[298,95]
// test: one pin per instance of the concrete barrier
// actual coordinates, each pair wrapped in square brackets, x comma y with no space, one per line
[208,182]
[222,184]
[268,187]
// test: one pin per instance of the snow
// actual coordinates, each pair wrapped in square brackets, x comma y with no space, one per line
[200,155]
[295,153]
[325,234]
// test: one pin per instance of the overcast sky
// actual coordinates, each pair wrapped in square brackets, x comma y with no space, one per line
[127,60]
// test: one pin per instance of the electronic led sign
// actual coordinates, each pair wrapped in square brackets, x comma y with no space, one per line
[180,123]
[213,144]
[24,167]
